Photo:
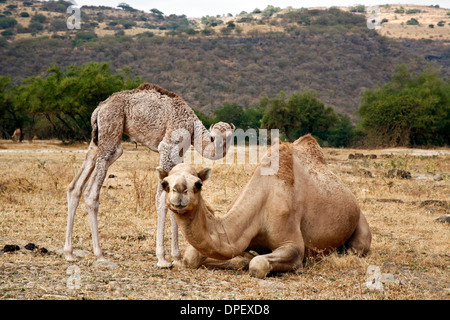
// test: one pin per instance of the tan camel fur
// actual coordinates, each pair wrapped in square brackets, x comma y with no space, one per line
[300,211]
[158,119]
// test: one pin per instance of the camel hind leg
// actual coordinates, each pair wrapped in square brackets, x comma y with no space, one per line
[92,192]
[74,191]
[361,238]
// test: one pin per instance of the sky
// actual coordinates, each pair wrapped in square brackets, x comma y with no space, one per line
[200,8]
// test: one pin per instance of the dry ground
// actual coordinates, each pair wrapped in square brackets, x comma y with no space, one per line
[407,241]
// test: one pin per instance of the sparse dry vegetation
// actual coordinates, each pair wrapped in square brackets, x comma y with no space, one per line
[407,241]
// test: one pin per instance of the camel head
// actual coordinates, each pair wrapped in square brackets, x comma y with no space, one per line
[221,135]
[183,187]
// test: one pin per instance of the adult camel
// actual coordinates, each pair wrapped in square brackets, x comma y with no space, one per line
[302,210]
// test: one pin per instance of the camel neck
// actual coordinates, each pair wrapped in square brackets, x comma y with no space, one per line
[221,237]
[202,142]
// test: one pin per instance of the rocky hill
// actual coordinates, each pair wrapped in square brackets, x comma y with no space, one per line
[230,58]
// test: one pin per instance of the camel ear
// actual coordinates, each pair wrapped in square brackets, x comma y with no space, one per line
[204,174]
[161,173]
[233,127]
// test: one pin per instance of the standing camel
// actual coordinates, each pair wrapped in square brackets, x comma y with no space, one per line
[17,135]
[158,119]
[302,210]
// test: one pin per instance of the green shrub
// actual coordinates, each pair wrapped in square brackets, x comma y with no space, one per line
[39,18]
[412,22]
[7,22]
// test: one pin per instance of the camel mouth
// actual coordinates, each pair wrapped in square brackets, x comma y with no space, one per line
[178,208]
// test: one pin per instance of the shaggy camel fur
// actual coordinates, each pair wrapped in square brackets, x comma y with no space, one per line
[158,119]
[300,211]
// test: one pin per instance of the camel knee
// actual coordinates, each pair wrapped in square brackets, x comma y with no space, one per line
[259,267]
[73,192]
[192,258]
[91,201]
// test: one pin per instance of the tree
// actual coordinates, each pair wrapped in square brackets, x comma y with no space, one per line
[231,113]
[342,133]
[411,109]
[10,118]
[66,98]
[157,13]
[301,113]
[126,7]
[244,118]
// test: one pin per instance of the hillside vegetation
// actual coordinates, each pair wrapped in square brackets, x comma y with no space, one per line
[212,60]
[222,66]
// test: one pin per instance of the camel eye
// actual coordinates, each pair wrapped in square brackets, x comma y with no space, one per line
[212,139]
[164,184]
[185,191]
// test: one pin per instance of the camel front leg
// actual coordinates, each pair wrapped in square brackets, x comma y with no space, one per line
[161,209]
[176,253]
[285,258]
[194,259]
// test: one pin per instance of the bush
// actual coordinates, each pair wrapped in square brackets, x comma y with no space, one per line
[412,22]
[35,26]
[24,14]
[39,18]
[7,22]
[128,24]
[58,25]
[7,33]
[86,36]
[409,110]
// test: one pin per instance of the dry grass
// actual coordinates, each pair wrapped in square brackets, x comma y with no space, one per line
[396,26]
[407,242]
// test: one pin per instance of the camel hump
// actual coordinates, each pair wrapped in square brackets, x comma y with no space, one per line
[311,147]
[282,152]
[152,86]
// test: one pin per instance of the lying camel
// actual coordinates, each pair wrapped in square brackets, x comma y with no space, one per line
[300,211]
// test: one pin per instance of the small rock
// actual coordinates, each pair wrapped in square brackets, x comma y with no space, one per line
[10,248]
[80,253]
[388,278]
[443,219]
[402,174]
[30,246]
[377,280]
[42,250]
[269,284]
[105,264]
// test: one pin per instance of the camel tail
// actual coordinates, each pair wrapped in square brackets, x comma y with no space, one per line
[94,123]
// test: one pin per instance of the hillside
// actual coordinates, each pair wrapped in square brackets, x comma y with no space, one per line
[239,59]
